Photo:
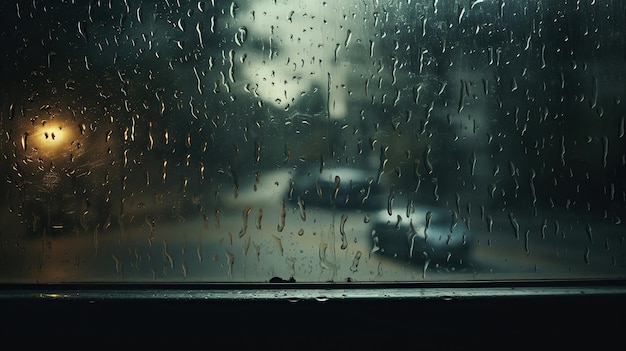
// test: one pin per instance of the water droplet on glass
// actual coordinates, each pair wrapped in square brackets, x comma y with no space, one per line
[241,35]
[283,214]
[348,38]
[199,250]
[168,257]
[279,244]
[589,233]
[342,231]
[230,261]
[244,219]
[324,262]
[355,261]
[514,224]
[302,208]
[427,163]
[24,141]
[259,218]
[336,187]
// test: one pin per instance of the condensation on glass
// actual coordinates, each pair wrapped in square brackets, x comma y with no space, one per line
[312,141]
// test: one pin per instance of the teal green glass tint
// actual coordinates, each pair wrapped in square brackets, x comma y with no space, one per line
[312,141]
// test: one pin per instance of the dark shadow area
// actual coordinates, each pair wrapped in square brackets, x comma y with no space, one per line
[282,323]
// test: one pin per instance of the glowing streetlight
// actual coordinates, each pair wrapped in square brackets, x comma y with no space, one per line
[51,138]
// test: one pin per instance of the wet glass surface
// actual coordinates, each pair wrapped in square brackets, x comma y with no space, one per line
[310,141]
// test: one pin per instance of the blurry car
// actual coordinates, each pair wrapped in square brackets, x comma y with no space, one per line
[414,233]
[338,187]
[421,234]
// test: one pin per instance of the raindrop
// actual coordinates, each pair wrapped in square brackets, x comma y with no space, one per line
[605,150]
[24,141]
[514,224]
[557,228]
[342,231]
[390,199]
[168,257]
[199,250]
[589,233]
[324,262]
[472,162]
[184,269]
[199,30]
[257,151]
[230,259]
[81,30]
[283,214]
[355,261]
[244,225]
[426,264]
[201,170]
[514,84]
[336,190]
[233,9]
[562,150]
[429,217]
[398,221]
[532,187]
[259,217]
[241,36]
[164,170]
[427,163]
[319,189]
[150,138]
[118,264]
[526,242]
[454,218]
[348,38]
[257,251]
[279,244]
[436,189]
[302,209]
[246,246]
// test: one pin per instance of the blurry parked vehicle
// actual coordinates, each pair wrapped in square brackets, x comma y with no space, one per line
[412,233]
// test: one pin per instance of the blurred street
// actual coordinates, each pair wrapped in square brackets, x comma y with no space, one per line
[248,242]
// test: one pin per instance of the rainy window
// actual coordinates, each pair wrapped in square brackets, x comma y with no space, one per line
[312,141]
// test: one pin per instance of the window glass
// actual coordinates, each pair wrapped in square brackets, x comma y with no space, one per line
[312,141]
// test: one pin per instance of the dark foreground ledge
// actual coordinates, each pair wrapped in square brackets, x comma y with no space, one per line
[362,314]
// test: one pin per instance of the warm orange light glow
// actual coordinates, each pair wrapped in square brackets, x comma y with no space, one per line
[52,137]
